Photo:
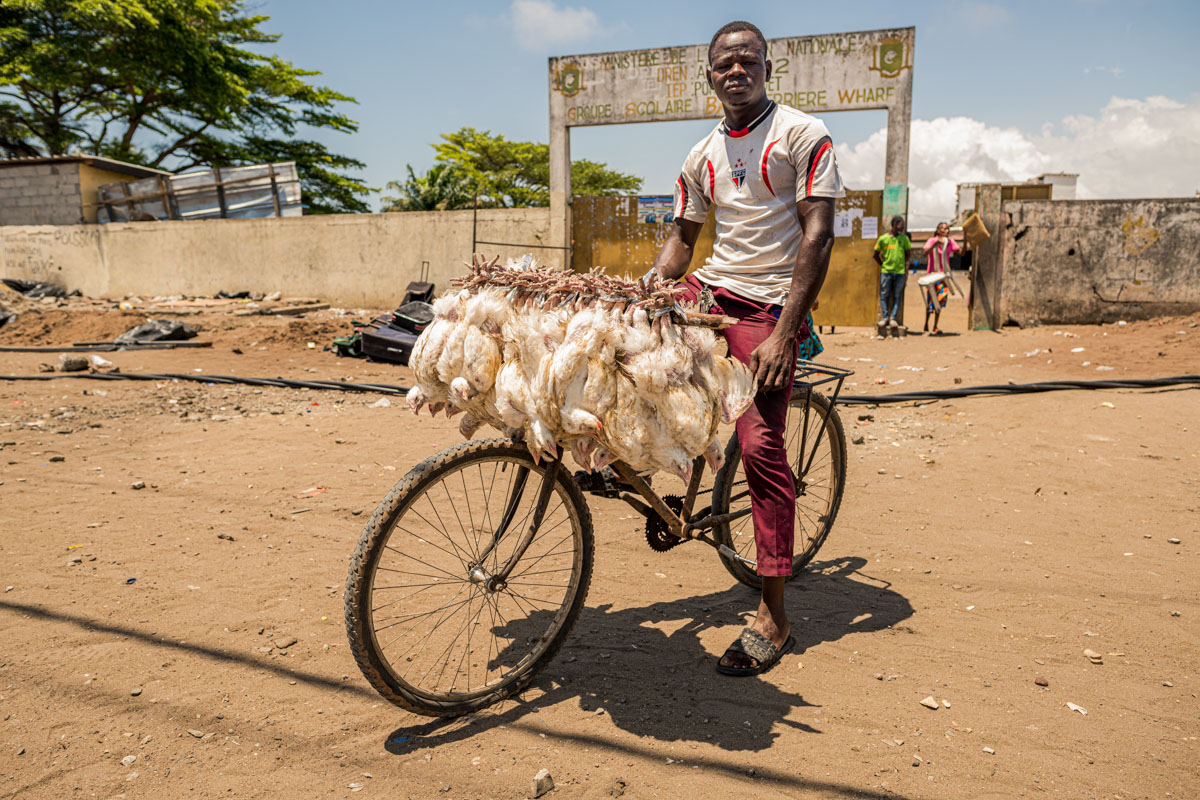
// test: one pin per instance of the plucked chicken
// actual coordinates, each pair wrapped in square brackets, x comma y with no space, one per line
[590,363]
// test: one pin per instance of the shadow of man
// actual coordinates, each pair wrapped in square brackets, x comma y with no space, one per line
[646,668]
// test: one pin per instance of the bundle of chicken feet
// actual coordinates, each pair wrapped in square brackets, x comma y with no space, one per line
[588,362]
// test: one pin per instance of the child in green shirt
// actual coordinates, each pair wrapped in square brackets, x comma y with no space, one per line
[891,254]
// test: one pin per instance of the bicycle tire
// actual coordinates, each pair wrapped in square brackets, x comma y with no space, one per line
[739,535]
[378,662]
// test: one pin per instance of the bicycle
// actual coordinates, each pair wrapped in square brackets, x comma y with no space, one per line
[483,547]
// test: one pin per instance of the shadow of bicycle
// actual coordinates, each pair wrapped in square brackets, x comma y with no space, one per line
[646,669]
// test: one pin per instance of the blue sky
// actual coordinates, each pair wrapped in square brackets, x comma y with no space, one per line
[1000,90]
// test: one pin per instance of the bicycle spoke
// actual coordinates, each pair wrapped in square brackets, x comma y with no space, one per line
[406,597]
[463,555]
[429,636]
[537,560]
[527,598]
[419,561]
[445,652]
[454,508]
[470,514]
[423,540]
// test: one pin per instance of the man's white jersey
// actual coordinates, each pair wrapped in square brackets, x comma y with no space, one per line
[754,177]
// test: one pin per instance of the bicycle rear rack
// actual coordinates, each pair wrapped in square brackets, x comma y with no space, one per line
[825,373]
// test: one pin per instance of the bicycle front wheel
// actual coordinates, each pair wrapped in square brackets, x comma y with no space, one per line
[427,632]
[816,446]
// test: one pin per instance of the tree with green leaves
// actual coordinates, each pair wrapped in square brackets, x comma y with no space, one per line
[508,174]
[173,84]
[442,188]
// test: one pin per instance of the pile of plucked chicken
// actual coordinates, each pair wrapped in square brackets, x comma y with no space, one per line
[588,362]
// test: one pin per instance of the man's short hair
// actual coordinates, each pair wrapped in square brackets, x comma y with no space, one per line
[735,27]
[897,218]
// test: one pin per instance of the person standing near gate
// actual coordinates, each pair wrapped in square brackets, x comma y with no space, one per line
[891,254]
[770,173]
[938,249]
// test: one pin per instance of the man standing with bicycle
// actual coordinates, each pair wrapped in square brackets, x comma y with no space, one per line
[770,172]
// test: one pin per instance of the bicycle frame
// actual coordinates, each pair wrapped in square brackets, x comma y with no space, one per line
[685,525]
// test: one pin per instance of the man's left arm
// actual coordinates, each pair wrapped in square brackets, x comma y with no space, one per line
[773,361]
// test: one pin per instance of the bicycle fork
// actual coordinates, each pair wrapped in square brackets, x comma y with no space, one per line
[498,580]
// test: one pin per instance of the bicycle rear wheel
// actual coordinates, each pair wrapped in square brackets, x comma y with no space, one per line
[816,445]
[427,635]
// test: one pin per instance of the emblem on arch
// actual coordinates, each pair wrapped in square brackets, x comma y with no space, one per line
[891,58]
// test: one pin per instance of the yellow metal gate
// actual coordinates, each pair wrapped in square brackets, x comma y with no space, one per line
[624,234]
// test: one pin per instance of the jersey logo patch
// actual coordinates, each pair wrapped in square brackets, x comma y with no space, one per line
[738,170]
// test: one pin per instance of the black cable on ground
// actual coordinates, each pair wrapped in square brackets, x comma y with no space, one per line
[105,347]
[1016,388]
[381,388]
[848,400]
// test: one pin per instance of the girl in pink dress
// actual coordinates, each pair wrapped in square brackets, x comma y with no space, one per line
[938,248]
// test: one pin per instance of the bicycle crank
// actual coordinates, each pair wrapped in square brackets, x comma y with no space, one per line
[658,536]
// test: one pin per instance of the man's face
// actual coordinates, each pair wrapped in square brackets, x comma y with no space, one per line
[943,229]
[897,227]
[739,70]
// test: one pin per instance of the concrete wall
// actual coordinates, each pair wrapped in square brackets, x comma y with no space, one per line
[1089,261]
[40,194]
[345,259]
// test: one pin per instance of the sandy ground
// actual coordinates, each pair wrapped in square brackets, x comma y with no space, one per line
[983,544]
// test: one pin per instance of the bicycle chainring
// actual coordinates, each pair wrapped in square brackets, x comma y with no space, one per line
[658,536]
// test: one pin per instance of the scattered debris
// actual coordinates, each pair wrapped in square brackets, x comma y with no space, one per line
[382,402]
[1093,656]
[294,311]
[1080,709]
[989,751]
[285,642]
[72,362]
[157,330]
[135,692]
[138,485]
[98,364]
[196,733]
[34,289]
[930,703]
[542,783]
[1041,681]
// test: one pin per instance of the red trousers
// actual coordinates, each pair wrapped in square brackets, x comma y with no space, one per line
[761,434]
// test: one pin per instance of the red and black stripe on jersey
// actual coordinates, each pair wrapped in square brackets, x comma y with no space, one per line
[824,145]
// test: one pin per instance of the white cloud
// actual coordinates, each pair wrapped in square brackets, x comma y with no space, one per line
[1133,148]
[541,25]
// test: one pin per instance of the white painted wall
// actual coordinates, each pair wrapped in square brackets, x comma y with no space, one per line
[345,259]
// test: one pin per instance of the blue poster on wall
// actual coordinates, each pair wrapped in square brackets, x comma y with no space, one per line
[656,209]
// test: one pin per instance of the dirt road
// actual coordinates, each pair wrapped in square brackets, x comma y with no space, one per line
[186,639]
